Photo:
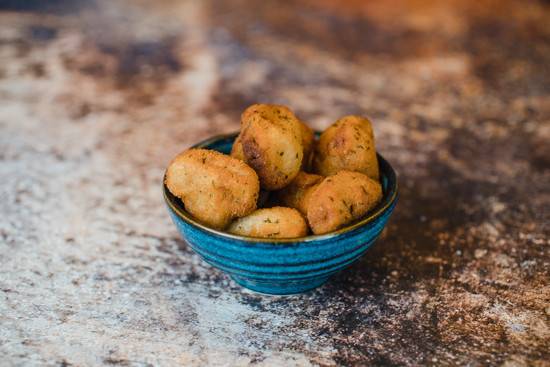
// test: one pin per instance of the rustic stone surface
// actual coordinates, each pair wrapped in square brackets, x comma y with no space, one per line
[96,97]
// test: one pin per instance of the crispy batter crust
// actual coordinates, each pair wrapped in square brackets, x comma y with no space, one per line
[214,187]
[271,139]
[298,193]
[341,199]
[237,149]
[277,222]
[347,145]
[308,143]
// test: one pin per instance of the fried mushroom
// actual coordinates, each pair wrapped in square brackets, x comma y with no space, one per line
[348,144]
[271,139]
[340,199]
[215,188]
[276,222]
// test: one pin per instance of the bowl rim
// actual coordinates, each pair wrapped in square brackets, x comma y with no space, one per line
[387,201]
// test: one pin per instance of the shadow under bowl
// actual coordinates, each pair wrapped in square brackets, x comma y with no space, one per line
[283,266]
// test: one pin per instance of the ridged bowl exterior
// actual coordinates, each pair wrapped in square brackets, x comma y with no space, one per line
[283,266]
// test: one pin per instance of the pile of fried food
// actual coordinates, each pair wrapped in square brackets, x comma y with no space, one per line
[279,181]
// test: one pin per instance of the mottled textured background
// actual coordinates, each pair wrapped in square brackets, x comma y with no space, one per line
[97,96]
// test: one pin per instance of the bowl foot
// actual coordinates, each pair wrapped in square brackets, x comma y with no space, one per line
[280,287]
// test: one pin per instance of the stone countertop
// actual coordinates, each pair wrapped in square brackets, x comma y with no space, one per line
[97,96]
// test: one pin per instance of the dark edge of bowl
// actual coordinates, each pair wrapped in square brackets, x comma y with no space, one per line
[387,200]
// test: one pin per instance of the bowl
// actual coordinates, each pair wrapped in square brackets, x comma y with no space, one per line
[283,266]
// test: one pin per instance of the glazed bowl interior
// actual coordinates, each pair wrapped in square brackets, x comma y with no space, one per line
[223,144]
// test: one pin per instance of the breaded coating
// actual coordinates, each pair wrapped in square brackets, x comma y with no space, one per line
[237,149]
[297,194]
[341,199]
[308,140]
[277,222]
[215,188]
[271,139]
[308,143]
[347,145]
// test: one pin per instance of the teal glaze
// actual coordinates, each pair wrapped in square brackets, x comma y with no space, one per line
[283,266]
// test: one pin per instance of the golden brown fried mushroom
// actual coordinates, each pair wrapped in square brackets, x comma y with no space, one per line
[214,187]
[308,141]
[271,139]
[308,136]
[341,199]
[347,145]
[297,194]
[277,222]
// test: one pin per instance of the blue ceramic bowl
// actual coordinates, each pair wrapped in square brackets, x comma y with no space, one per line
[283,266]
